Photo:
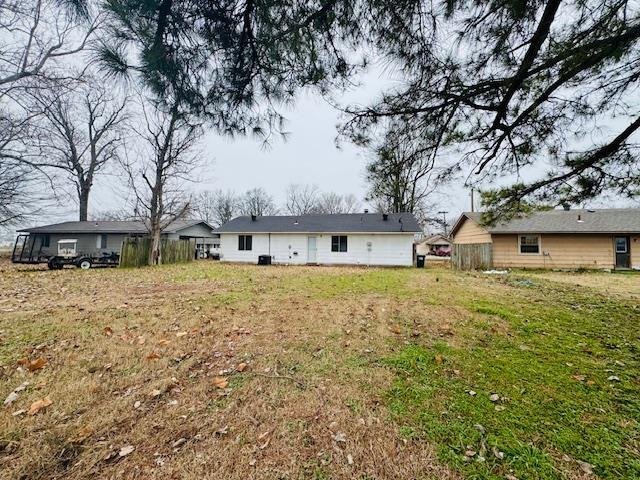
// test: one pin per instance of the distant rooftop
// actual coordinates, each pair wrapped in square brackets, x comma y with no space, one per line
[109,226]
[597,220]
[324,223]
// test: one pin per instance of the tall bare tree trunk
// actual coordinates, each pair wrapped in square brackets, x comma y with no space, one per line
[155,217]
[155,255]
[83,198]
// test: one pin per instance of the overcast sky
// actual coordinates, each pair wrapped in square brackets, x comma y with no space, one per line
[308,156]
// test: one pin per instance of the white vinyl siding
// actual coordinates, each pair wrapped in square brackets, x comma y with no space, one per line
[362,249]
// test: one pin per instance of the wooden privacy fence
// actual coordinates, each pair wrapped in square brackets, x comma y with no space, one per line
[135,251]
[471,256]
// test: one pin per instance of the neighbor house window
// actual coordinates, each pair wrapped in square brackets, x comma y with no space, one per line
[46,240]
[102,241]
[339,243]
[621,245]
[529,244]
[245,242]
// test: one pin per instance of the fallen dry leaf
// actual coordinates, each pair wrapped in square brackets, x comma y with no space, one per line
[438,359]
[181,334]
[36,364]
[585,467]
[23,361]
[340,437]
[141,340]
[13,396]
[220,382]
[108,331]
[153,356]
[164,342]
[241,367]
[39,405]
[497,453]
[178,443]
[124,451]
[84,433]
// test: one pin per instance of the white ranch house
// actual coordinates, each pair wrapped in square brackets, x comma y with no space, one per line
[340,239]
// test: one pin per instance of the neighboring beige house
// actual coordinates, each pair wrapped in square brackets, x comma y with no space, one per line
[432,245]
[599,238]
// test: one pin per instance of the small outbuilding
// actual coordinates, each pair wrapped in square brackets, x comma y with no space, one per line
[328,239]
[585,238]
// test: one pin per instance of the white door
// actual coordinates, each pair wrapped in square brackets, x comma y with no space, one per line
[312,254]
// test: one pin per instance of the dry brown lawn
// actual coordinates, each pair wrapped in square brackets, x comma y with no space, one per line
[626,285]
[136,358]
[218,371]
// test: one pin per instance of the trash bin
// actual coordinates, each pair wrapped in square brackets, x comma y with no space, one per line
[264,260]
[420,261]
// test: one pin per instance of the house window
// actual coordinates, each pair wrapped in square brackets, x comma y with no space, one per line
[530,244]
[339,243]
[101,241]
[46,240]
[621,245]
[245,242]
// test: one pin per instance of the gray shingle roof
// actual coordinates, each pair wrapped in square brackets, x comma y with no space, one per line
[324,223]
[606,220]
[133,226]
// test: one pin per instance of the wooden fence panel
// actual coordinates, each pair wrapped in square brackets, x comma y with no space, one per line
[471,256]
[135,251]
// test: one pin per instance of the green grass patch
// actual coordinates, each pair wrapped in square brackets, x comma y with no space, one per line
[549,365]
[327,285]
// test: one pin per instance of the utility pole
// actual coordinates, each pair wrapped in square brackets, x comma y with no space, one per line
[472,195]
[444,221]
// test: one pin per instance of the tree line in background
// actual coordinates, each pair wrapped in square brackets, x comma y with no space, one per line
[487,90]
[219,206]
